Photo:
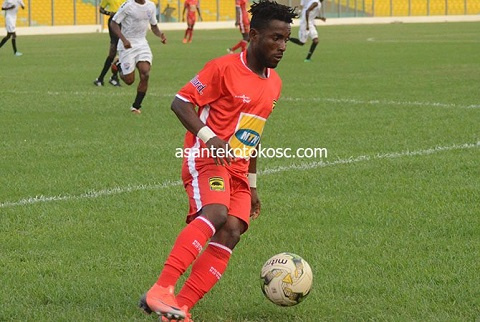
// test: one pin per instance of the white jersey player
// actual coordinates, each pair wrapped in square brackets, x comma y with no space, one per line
[135,16]
[11,8]
[311,9]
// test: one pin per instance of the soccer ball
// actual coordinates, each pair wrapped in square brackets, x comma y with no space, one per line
[286,279]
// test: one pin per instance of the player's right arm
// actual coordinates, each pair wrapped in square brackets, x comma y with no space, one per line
[117,31]
[185,111]
[117,20]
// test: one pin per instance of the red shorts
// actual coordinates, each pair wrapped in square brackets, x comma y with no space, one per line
[191,18]
[212,184]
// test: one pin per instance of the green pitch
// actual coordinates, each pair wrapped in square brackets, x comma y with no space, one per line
[389,219]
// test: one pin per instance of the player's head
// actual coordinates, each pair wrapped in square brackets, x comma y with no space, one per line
[269,31]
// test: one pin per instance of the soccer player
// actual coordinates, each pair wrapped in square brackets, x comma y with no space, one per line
[112,6]
[11,8]
[167,13]
[133,48]
[307,26]
[191,7]
[243,23]
[235,95]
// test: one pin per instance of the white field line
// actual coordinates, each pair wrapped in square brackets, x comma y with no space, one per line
[422,41]
[90,194]
[302,166]
[376,102]
[290,99]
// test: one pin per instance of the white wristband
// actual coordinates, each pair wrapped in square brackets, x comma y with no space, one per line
[205,134]
[252,180]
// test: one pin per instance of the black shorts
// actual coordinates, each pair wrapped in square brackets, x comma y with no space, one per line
[113,36]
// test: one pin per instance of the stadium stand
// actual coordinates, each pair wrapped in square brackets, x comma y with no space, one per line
[385,8]
[382,8]
[62,13]
[211,10]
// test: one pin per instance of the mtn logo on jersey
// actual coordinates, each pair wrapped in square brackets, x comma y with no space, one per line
[216,184]
[198,85]
[247,134]
[248,137]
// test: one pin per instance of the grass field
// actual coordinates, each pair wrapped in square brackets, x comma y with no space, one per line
[90,198]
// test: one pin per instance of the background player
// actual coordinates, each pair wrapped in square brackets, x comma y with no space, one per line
[243,22]
[133,48]
[11,8]
[222,198]
[112,6]
[191,7]
[307,26]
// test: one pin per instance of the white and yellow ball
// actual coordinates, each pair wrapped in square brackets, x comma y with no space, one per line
[286,279]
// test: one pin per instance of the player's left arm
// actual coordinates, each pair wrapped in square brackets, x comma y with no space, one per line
[252,179]
[156,31]
[199,13]
[322,13]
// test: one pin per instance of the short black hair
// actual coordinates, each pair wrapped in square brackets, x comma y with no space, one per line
[264,11]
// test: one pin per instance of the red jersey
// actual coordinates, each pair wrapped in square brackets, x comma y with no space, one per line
[191,6]
[241,3]
[234,102]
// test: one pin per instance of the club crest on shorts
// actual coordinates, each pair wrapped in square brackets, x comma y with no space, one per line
[216,184]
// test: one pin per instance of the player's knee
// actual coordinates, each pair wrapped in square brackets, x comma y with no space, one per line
[233,236]
[145,75]
[229,234]
[128,80]
[217,214]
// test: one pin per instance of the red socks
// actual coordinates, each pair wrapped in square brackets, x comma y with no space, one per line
[188,245]
[242,43]
[206,271]
[188,34]
[207,268]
